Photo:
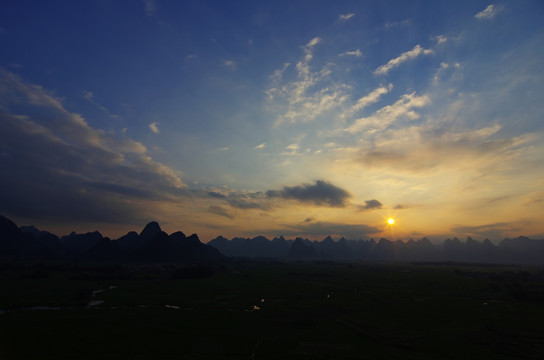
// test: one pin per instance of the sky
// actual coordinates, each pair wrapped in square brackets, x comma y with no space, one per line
[294,118]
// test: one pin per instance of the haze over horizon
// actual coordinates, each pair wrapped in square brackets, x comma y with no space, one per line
[288,118]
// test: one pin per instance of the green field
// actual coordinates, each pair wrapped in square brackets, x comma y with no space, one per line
[305,311]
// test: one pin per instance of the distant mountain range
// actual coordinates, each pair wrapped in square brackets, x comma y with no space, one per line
[150,245]
[154,245]
[520,250]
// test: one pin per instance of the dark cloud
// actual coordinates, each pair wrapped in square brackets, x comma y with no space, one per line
[221,211]
[320,193]
[216,195]
[246,201]
[318,228]
[55,166]
[238,199]
[495,231]
[399,207]
[371,205]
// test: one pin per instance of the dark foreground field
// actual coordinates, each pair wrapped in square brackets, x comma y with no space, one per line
[271,311]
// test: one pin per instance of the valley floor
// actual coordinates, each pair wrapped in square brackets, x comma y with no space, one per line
[251,310]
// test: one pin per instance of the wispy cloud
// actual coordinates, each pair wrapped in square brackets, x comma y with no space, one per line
[346,17]
[260,146]
[88,95]
[405,22]
[409,55]
[441,69]
[278,74]
[190,57]
[150,7]
[440,39]
[290,150]
[231,64]
[356,53]
[371,98]
[381,119]
[154,127]
[221,211]
[488,13]
[311,95]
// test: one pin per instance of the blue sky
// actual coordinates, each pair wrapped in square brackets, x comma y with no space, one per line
[297,118]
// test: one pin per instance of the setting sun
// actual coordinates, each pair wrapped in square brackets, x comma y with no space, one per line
[390,221]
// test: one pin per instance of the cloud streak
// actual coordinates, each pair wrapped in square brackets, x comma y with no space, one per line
[356,53]
[381,119]
[488,13]
[346,17]
[396,62]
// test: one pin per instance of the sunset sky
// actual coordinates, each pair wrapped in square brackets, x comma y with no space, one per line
[245,118]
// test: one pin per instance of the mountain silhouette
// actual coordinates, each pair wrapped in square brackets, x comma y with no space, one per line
[300,250]
[81,243]
[154,245]
[520,250]
[150,245]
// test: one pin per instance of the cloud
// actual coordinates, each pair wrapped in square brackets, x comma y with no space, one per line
[371,205]
[240,199]
[231,64]
[190,57]
[84,173]
[278,74]
[320,228]
[440,71]
[429,147]
[260,146]
[490,231]
[89,95]
[346,17]
[440,39]
[245,201]
[320,193]
[290,150]
[381,119]
[311,95]
[154,128]
[409,55]
[488,13]
[150,7]
[313,42]
[371,98]
[405,22]
[356,53]
[221,211]
[216,195]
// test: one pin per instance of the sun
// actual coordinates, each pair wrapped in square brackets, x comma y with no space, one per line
[390,221]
